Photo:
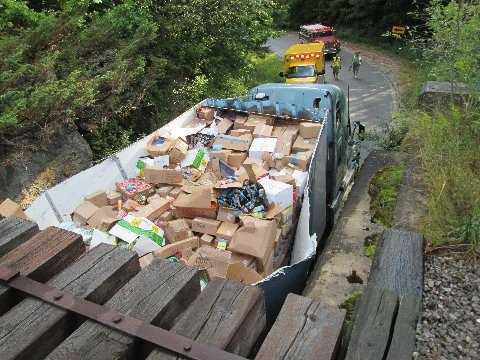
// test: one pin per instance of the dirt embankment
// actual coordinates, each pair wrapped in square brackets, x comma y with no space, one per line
[42,161]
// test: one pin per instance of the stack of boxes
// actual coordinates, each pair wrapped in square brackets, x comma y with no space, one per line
[175,195]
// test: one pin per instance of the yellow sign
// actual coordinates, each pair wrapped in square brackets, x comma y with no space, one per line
[398,31]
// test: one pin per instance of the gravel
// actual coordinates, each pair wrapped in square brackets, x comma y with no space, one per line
[450,324]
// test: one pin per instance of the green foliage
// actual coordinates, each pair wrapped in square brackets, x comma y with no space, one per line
[449,145]
[383,190]
[349,305]
[368,17]
[15,15]
[453,49]
[134,63]
[109,138]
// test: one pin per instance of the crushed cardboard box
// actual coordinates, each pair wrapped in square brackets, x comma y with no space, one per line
[255,238]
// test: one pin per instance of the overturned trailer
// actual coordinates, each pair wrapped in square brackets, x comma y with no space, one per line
[330,172]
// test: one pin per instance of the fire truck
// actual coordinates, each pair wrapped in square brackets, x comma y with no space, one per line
[320,33]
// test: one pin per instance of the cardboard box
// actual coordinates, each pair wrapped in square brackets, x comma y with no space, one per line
[166,216]
[235,159]
[153,210]
[216,261]
[266,268]
[131,205]
[239,143]
[205,226]
[175,192]
[163,191]
[98,198]
[196,204]
[178,151]
[113,197]
[228,215]
[240,132]
[239,120]
[309,130]
[156,175]
[302,144]
[206,239]
[255,238]
[177,230]
[301,160]
[224,125]
[262,131]
[287,179]
[206,113]
[213,260]
[256,120]
[103,219]
[82,212]
[284,144]
[220,154]
[262,146]
[251,171]
[241,273]
[177,248]
[158,146]
[11,208]
[278,192]
[226,230]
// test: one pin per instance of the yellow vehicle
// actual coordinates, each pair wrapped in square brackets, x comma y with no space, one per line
[304,63]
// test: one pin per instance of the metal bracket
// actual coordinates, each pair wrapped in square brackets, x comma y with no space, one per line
[113,319]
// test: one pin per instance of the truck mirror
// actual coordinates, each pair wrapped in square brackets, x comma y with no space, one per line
[280,74]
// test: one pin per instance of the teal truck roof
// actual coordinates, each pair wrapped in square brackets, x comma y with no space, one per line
[300,101]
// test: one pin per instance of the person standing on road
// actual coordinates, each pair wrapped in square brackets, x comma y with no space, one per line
[356,62]
[336,66]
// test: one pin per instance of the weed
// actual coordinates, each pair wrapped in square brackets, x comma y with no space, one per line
[383,190]
[349,304]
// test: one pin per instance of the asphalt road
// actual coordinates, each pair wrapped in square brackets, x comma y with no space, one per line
[371,95]
[372,103]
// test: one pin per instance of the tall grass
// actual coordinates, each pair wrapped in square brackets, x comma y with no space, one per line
[448,146]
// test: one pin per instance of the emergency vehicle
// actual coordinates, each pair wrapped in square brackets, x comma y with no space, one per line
[320,33]
[304,64]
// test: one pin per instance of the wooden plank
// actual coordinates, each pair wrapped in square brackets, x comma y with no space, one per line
[158,294]
[398,263]
[32,329]
[44,255]
[15,231]
[403,342]
[227,315]
[373,324]
[305,329]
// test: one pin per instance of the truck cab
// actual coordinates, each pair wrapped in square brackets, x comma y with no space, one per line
[304,64]
[334,164]
[318,33]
